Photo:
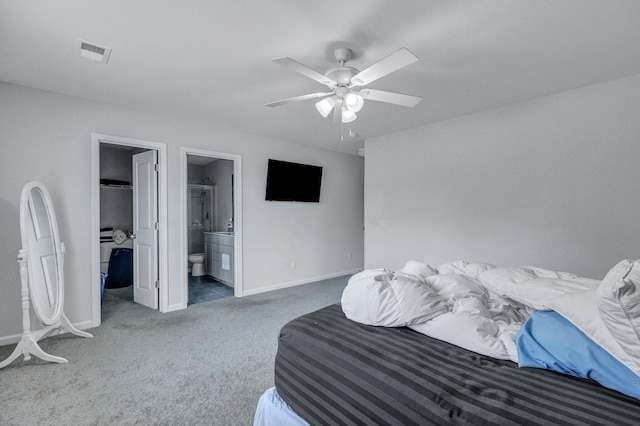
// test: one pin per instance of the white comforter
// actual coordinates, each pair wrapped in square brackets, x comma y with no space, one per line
[473,305]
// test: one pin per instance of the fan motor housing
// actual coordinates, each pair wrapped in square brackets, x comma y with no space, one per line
[342,75]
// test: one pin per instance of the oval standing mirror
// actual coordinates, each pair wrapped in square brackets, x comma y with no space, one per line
[40,239]
[41,261]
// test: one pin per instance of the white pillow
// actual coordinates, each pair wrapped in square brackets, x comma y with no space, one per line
[390,300]
[581,309]
[619,305]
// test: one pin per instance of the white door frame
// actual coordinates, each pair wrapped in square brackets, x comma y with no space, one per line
[237,219]
[96,139]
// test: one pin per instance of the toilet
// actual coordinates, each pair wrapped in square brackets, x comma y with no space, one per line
[197,264]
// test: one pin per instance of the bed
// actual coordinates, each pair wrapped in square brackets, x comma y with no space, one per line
[331,369]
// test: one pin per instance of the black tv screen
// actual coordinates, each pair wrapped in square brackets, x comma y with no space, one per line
[293,182]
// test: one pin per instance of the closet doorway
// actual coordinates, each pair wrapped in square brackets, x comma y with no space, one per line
[129,221]
[212,243]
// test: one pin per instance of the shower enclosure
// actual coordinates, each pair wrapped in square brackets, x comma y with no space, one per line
[201,214]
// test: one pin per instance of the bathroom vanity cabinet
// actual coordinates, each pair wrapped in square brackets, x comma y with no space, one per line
[218,259]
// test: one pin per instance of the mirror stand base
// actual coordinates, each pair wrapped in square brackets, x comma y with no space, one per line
[67,326]
[28,344]
[27,347]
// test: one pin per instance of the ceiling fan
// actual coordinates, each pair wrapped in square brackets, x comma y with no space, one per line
[344,98]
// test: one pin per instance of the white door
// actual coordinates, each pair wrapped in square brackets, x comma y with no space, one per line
[145,228]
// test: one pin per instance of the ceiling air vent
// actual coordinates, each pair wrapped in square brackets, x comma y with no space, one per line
[94,52]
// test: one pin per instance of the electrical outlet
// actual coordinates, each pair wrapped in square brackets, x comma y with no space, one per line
[349,255]
[293,264]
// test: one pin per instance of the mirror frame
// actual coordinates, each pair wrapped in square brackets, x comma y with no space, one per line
[37,286]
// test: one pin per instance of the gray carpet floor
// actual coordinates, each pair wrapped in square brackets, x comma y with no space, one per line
[205,365]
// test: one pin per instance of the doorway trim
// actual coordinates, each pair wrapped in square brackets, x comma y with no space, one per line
[96,140]
[237,219]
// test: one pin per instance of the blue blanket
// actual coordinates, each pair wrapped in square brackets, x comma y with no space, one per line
[547,340]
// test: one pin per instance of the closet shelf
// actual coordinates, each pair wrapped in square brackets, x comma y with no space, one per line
[102,185]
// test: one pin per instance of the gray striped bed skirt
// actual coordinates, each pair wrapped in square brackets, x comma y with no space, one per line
[333,371]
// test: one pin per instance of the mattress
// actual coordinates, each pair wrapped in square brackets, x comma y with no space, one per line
[331,370]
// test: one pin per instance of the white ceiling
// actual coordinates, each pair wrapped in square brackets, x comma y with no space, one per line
[210,60]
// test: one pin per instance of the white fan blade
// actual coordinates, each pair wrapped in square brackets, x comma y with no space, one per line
[391,63]
[298,98]
[390,97]
[305,70]
[337,111]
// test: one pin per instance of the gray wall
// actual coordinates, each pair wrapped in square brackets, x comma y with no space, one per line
[47,137]
[195,173]
[552,182]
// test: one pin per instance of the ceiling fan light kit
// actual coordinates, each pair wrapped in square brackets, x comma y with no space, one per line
[343,100]
[354,102]
[347,115]
[325,106]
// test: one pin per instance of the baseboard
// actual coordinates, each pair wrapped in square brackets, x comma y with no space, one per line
[309,280]
[15,338]
[9,340]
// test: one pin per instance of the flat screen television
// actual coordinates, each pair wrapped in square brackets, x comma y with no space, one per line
[293,182]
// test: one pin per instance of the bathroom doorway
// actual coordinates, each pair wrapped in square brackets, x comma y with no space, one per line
[129,217]
[212,226]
